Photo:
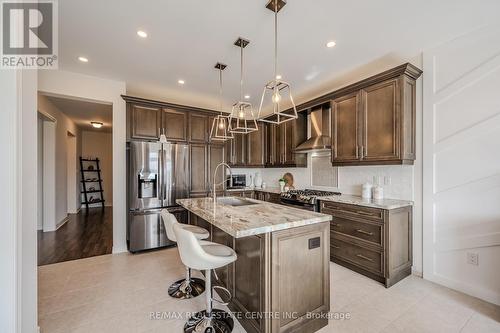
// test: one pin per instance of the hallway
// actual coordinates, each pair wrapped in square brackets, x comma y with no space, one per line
[84,235]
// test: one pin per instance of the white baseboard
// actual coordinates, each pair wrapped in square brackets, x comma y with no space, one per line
[475,291]
[417,273]
[119,249]
[60,224]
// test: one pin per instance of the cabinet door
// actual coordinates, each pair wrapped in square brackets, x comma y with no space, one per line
[271,157]
[145,122]
[294,133]
[198,174]
[255,147]
[216,155]
[345,128]
[380,122]
[198,127]
[175,125]
[239,150]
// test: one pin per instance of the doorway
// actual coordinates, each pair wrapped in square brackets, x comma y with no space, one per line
[70,229]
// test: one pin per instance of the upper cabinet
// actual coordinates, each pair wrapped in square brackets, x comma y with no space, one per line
[373,121]
[256,147]
[198,127]
[174,124]
[144,122]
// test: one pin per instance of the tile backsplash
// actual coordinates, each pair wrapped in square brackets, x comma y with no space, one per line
[350,178]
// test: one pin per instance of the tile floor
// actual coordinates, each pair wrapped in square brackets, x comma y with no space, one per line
[117,293]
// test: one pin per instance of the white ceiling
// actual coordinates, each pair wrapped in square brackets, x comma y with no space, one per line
[83,112]
[186,39]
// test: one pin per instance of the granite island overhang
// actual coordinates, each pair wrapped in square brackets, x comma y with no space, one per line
[281,279]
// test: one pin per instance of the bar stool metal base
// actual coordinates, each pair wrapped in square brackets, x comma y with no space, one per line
[183,289]
[220,322]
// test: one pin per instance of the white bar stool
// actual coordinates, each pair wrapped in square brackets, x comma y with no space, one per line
[203,255]
[188,287]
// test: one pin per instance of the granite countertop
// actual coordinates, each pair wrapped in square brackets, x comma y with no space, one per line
[275,190]
[359,201]
[243,221]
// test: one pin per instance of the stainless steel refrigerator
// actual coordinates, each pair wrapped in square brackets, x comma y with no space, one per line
[157,176]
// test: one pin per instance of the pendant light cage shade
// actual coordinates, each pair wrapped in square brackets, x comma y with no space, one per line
[220,129]
[276,91]
[220,125]
[242,119]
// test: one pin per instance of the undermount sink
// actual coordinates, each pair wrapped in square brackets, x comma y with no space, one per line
[231,201]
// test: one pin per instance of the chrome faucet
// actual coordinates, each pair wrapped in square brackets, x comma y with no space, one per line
[215,173]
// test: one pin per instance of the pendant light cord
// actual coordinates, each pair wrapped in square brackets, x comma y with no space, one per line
[220,90]
[275,39]
[241,71]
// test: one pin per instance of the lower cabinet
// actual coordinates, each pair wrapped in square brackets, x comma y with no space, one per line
[374,242]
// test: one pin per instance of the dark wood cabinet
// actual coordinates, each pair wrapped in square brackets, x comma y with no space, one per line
[371,241]
[144,122]
[216,155]
[236,149]
[198,127]
[281,141]
[373,121]
[345,128]
[256,147]
[198,170]
[175,124]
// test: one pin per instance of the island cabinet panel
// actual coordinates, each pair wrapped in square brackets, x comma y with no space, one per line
[225,274]
[175,124]
[144,122]
[305,290]
[198,170]
[198,127]
[371,241]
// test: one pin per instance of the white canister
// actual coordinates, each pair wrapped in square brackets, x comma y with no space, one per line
[257,180]
[366,191]
[378,192]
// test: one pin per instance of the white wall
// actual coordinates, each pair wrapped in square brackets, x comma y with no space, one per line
[100,145]
[74,85]
[462,163]
[63,126]
[39,164]
[18,176]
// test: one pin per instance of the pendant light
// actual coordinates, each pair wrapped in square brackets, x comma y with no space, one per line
[277,89]
[242,119]
[220,125]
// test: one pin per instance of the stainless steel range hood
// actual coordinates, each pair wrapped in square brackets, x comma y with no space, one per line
[320,139]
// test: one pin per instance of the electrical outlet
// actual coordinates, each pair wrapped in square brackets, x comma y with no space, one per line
[387,180]
[473,258]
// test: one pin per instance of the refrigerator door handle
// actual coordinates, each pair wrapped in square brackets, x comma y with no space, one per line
[160,173]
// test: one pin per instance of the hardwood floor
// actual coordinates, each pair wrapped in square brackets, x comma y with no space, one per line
[84,235]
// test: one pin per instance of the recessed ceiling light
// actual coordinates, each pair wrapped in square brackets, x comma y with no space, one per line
[96,124]
[142,33]
[181,82]
[278,77]
[83,59]
[331,44]
[247,96]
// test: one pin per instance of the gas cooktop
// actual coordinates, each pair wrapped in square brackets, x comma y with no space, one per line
[306,196]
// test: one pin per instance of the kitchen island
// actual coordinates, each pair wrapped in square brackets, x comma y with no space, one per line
[280,281]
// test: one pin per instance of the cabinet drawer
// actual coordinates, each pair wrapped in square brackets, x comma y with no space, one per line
[371,232]
[345,210]
[369,260]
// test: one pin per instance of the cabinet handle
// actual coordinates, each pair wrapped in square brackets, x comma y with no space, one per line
[360,212]
[336,225]
[357,152]
[335,246]
[362,155]
[363,257]
[361,231]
